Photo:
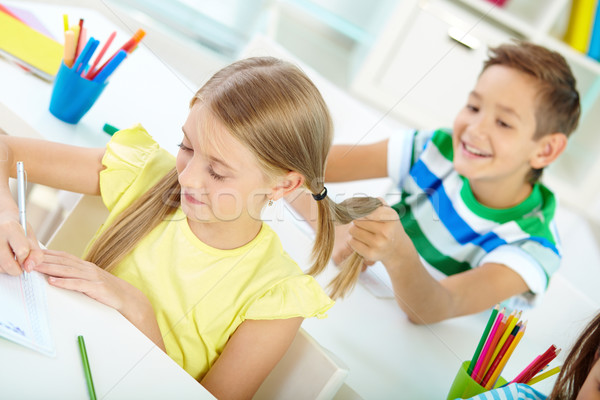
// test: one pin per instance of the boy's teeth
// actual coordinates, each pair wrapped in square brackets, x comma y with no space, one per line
[474,150]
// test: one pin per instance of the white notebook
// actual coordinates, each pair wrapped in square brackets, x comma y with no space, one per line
[24,312]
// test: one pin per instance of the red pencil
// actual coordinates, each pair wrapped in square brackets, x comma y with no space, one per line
[535,365]
[501,353]
[488,356]
[77,48]
[128,47]
[101,54]
[478,371]
[544,360]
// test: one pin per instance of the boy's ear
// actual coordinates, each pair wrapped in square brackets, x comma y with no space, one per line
[549,148]
[287,184]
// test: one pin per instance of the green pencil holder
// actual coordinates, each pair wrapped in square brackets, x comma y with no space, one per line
[464,386]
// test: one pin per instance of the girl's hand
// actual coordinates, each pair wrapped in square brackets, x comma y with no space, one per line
[69,272]
[17,251]
[379,236]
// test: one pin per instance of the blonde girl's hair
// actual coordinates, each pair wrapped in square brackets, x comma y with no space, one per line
[272,108]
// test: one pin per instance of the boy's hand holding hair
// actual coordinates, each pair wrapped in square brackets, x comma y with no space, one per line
[380,236]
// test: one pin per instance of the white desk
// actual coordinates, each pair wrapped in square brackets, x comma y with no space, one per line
[124,363]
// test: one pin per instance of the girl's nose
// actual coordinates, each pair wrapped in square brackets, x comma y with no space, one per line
[190,176]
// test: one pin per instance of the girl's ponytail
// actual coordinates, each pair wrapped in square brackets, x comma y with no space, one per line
[331,213]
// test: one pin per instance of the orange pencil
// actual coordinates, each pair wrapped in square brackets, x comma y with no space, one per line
[510,324]
[478,371]
[504,360]
[496,360]
[487,361]
[69,51]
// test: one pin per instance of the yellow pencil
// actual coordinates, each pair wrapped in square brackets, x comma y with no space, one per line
[510,324]
[544,375]
[66,22]
[507,355]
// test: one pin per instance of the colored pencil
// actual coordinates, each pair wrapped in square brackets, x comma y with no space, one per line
[69,51]
[537,364]
[85,55]
[487,360]
[544,360]
[483,338]
[504,360]
[127,47]
[105,72]
[92,70]
[498,357]
[477,375]
[86,368]
[66,22]
[510,324]
[543,376]
[79,41]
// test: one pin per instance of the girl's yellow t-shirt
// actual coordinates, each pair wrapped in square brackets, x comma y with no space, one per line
[200,294]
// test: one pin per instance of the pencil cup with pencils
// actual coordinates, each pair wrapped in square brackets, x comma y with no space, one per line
[499,339]
[464,386]
[80,81]
[73,95]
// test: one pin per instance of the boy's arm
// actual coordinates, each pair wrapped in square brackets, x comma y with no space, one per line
[249,356]
[380,236]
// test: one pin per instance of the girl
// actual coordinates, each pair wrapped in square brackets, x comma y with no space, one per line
[183,254]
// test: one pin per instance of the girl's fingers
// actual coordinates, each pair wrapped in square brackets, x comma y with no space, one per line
[78,285]
[8,264]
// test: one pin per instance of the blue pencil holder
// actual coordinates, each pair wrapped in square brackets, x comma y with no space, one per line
[72,95]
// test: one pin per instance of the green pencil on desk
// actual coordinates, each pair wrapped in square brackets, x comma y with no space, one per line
[86,368]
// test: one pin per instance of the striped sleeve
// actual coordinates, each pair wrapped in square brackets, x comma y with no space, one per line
[514,391]
[403,150]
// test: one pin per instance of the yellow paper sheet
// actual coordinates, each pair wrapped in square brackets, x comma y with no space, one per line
[29,47]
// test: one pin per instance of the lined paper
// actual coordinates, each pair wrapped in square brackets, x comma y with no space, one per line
[24,312]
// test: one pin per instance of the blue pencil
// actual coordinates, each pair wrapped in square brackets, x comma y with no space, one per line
[105,72]
[85,55]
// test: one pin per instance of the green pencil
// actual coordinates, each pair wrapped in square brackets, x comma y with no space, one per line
[86,368]
[483,337]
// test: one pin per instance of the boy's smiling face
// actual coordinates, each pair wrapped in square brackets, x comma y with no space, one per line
[493,134]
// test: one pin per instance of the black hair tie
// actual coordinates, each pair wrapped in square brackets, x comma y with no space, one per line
[321,195]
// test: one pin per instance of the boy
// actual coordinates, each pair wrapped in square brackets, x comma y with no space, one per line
[471,205]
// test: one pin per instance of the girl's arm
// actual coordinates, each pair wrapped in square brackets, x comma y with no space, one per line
[52,164]
[249,356]
[380,236]
[61,166]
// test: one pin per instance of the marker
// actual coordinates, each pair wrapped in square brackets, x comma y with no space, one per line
[105,72]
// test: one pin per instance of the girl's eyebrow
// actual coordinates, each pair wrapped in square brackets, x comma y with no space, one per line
[212,158]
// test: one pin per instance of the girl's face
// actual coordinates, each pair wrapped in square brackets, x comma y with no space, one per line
[590,390]
[220,179]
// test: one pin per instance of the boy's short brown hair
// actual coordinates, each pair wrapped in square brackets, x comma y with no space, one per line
[558,106]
